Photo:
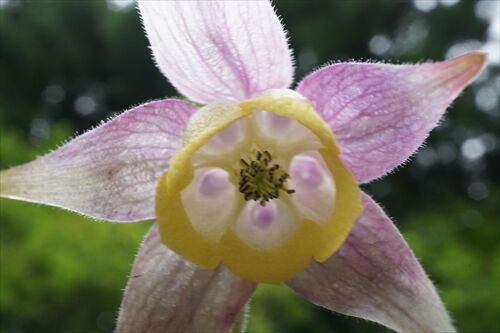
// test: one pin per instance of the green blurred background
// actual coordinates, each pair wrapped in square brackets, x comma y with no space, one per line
[67,65]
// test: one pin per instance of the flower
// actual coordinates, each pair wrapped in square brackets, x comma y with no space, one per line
[274,171]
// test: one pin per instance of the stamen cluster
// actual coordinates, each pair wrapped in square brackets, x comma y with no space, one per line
[260,179]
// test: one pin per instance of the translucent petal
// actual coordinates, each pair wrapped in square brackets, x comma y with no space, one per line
[225,141]
[381,113]
[218,50]
[165,293]
[288,134]
[375,276]
[109,172]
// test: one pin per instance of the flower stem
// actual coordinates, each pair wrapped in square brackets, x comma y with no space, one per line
[241,323]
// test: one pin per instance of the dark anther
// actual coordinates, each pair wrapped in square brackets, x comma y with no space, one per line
[267,155]
[258,181]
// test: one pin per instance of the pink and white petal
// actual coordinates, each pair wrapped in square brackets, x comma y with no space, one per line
[375,276]
[382,113]
[109,172]
[218,50]
[166,293]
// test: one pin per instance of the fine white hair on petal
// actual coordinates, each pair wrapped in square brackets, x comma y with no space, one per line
[215,50]
[166,293]
[110,172]
[375,276]
[381,113]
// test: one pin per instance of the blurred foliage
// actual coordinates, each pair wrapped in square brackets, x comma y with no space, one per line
[66,65]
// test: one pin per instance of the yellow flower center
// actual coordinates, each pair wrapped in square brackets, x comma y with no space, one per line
[258,186]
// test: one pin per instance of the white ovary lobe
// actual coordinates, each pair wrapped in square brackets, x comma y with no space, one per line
[215,202]
[265,227]
[224,142]
[314,187]
[210,201]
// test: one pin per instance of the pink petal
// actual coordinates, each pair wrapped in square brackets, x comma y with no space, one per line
[375,276]
[382,113]
[216,50]
[165,293]
[109,172]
